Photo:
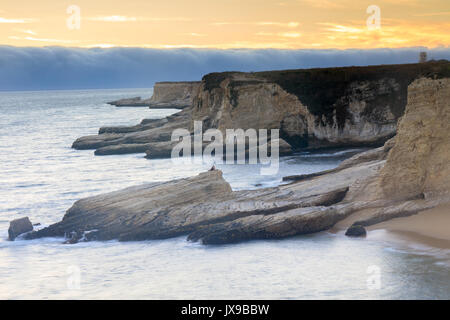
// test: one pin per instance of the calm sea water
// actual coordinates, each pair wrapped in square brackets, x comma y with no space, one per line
[41,177]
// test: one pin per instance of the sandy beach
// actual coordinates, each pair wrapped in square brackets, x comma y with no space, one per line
[430,227]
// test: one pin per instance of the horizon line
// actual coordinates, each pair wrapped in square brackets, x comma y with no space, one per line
[224,49]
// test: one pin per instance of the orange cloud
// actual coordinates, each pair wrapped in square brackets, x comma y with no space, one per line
[287,24]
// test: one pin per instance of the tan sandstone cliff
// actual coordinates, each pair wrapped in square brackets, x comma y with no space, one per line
[420,159]
[251,101]
[177,95]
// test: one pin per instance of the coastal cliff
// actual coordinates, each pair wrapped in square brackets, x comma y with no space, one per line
[174,95]
[420,158]
[252,101]
[312,108]
[408,175]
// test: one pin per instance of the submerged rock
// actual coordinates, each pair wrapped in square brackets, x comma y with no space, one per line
[73,237]
[18,227]
[356,231]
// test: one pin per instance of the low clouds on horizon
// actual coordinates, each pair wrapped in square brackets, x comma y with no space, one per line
[31,68]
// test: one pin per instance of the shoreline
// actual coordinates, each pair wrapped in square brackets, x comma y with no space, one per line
[364,190]
[429,227]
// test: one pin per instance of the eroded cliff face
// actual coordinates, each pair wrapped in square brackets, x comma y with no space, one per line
[173,94]
[244,102]
[312,108]
[416,175]
[418,165]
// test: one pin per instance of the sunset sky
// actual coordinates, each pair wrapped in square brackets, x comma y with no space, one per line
[282,24]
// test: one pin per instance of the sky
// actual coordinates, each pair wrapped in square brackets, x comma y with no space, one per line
[79,44]
[282,24]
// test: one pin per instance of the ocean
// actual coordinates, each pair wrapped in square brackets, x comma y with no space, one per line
[41,177]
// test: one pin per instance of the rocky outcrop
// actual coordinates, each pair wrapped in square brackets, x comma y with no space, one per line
[376,154]
[185,206]
[312,108]
[151,136]
[131,102]
[396,180]
[148,131]
[18,227]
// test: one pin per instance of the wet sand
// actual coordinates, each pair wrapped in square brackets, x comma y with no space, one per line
[430,227]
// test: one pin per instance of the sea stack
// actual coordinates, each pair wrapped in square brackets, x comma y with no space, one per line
[18,227]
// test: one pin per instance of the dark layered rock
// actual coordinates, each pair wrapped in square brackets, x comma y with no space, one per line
[159,150]
[188,206]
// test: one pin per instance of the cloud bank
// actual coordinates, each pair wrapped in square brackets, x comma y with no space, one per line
[48,68]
